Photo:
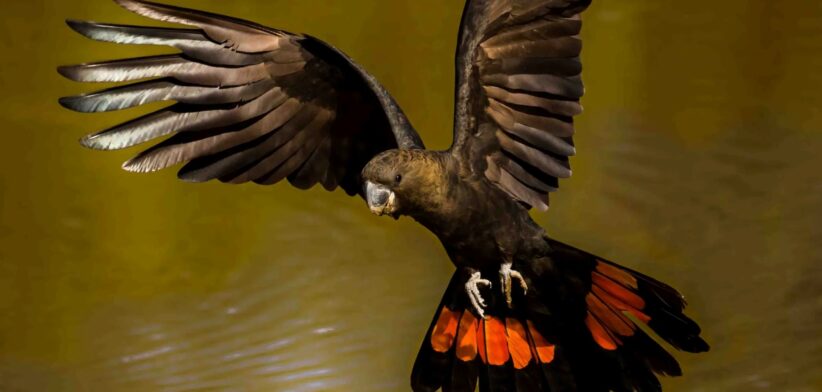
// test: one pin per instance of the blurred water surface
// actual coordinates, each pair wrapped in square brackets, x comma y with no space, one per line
[699,163]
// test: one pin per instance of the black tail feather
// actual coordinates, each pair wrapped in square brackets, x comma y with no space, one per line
[463,377]
[666,305]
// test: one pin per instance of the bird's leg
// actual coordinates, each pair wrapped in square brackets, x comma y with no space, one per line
[475,281]
[506,275]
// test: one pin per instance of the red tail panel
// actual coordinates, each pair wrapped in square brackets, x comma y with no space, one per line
[613,292]
[518,343]
[467,338]
[496,341]
[442,338]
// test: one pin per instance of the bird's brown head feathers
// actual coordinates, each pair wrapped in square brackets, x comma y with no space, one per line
[405,182]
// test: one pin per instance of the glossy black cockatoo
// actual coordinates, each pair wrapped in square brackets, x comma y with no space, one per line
[523,311]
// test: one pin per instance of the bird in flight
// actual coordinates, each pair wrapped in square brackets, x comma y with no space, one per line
[523,312]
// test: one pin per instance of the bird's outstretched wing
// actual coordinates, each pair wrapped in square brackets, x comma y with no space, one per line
[250,103]
[518,89]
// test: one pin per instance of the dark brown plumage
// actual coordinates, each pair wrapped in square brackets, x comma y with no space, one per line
[523,312]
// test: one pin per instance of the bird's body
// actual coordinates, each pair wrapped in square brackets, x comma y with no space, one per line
[472,218]
[482,238]
[523,311]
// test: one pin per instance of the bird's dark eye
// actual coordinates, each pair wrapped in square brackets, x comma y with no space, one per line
[398,178]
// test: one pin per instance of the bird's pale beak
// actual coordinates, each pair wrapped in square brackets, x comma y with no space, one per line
[381,200]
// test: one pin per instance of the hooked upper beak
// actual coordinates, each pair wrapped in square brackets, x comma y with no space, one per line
[381,200]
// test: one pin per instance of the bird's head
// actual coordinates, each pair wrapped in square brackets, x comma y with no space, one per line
[402,182]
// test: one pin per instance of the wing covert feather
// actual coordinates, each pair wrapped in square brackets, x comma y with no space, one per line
[250,103]
[518,78]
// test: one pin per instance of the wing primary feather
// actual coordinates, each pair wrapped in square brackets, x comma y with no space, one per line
[178,118]
[541,139]
[172,66]
[191,42]
[328,177]
[125,97]
[291,164]
[551,105]
[570,66]
[522,192]
[538,159]
[525,177]
[515,121]
[301,136]
[514,187]
[563,47]
[237,34]
[531,9]
[190,145]
[570,87]
[232,163]
[314,168]
[540,30]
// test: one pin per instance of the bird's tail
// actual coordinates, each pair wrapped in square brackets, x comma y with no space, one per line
[578,328]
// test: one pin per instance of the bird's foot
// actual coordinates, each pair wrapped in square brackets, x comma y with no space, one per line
[506,275]
[472,289]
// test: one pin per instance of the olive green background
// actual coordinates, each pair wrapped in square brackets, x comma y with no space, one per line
[699,163]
